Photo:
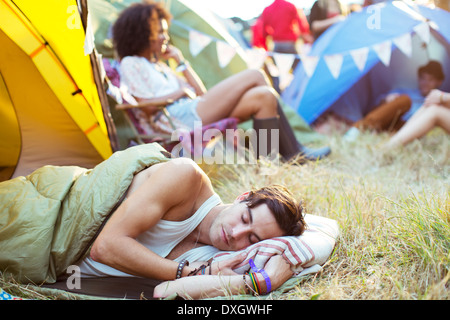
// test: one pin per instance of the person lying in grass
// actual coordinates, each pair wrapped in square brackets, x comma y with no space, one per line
[171,208]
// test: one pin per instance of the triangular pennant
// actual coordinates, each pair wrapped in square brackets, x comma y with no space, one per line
[404,44]
[284,62]
[360,57]
[197,42]
[433,25]
[255,57]
[309,64]
[423,31]
[334,63]
[225,53]
[383,51]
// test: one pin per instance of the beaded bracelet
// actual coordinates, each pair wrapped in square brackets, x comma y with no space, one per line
[181,265]
[246,286]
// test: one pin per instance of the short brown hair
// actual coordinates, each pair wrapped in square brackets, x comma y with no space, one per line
[136,25]
[288,212]
[433,68]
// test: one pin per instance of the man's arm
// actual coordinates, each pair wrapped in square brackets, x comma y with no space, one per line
[169,193]
[202,286]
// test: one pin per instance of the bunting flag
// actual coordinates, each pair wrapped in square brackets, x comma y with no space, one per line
[334,63]
[423,31]
[225,53]
[197,42]
[309,64]
[404,44]
[255,57]
[284,62]
[383,50]
[360,57]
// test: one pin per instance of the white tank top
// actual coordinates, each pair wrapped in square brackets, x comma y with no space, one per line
[161,239]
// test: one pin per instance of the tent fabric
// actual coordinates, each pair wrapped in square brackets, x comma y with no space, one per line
[370,53]
[51,111]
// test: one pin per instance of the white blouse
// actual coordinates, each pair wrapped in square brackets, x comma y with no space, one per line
[144,79]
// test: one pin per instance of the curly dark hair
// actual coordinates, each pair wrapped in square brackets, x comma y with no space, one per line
[136,26]
[288,212]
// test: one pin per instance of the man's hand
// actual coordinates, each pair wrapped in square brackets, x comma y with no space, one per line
[226,267]
[278,270]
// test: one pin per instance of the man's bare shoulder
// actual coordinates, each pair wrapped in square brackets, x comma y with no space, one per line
[181,169]
[174,188]
[181,173]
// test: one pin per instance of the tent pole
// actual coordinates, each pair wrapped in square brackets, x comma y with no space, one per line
[111,128]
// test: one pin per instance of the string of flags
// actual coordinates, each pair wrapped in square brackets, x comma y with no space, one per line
[199,41]
[359,56]
[256,56]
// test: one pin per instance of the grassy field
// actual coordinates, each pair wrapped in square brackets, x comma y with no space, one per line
[392,207]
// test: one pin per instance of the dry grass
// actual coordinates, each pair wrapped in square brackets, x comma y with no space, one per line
[392,208]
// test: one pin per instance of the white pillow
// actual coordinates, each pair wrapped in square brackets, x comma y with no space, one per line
[305,253]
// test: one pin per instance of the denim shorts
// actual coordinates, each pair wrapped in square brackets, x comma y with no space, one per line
[185,110]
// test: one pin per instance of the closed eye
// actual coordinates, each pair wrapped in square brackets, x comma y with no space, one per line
[253,238]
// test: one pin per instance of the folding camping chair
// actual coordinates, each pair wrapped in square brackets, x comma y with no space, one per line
[125,113]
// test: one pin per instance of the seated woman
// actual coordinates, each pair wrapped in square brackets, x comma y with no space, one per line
[435,112]
[142,43]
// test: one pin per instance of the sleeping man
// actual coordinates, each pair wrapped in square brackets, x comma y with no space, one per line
[171,208]
[140,215]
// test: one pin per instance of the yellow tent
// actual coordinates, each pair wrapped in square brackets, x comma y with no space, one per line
[52,108]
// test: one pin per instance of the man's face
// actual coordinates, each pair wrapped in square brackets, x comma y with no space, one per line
[428,82]
[238,226]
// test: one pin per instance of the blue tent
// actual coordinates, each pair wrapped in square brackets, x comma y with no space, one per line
[371,52]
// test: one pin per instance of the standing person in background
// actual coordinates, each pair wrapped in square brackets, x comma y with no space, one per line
[258,38]
[324,13]
[282,21]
